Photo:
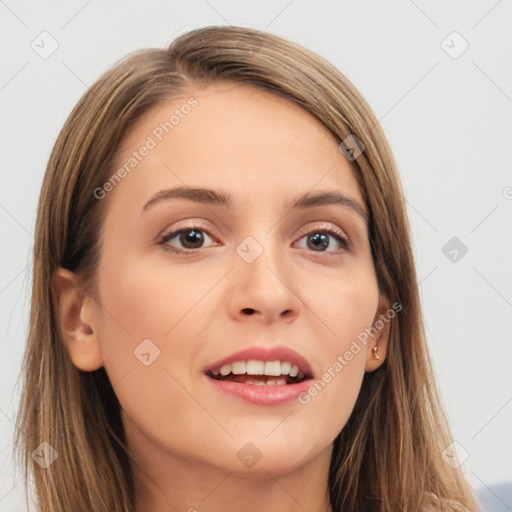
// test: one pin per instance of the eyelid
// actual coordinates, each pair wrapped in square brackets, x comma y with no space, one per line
[188,224]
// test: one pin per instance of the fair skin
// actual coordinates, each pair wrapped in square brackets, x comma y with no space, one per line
[201,307]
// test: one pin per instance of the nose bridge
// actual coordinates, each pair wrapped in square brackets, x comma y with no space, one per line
[260,279]
[260,261]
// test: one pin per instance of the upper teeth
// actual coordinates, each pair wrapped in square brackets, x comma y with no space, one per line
[254,367]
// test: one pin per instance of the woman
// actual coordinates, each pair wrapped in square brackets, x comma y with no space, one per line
[225,312]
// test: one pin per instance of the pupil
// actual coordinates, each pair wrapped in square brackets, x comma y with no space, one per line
[318,240]
[191,238]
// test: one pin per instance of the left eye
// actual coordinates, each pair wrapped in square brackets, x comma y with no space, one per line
[189,238]
[323,240]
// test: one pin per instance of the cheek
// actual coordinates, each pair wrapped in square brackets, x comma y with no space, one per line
[151,321]
[147,331]
[344,304]
[142,300]
[345,308]
[132,310]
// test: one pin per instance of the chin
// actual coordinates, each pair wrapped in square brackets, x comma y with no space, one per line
[258,459]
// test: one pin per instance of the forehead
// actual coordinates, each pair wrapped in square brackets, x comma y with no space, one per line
[234,136]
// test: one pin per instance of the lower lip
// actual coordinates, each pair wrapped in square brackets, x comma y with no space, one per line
[261,395]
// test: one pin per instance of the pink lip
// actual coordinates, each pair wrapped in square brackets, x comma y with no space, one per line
[261,395]
[266,394]
[279,353]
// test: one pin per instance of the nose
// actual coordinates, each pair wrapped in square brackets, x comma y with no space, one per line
[263,291]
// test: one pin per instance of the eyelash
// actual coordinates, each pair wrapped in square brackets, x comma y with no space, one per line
[331,231]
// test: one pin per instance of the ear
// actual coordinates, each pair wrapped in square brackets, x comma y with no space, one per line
[378,343]
[76,314]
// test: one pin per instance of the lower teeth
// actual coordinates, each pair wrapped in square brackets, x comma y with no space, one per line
[269,382]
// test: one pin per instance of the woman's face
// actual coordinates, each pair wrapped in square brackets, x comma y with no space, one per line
[216,257]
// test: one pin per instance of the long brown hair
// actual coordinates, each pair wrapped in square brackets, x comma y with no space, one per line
[388,457]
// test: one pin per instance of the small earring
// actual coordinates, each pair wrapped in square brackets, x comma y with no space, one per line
[374,350]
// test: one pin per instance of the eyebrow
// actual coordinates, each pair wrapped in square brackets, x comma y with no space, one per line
[221,198]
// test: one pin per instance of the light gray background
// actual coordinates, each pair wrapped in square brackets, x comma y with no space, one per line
[449,124]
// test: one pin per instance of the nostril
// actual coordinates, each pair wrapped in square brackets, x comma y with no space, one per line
[248,311]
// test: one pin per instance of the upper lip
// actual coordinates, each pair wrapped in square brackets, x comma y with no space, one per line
[277,353]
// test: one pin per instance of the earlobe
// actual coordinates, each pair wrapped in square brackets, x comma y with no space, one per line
[75,310]
[376,349]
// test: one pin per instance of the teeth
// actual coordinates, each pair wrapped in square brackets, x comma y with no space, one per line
[268,382]
[285,367]
[273,368]
[239,368]
[225,370]
[254,367]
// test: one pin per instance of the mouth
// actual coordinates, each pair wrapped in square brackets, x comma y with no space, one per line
[262,376]
[259,373]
